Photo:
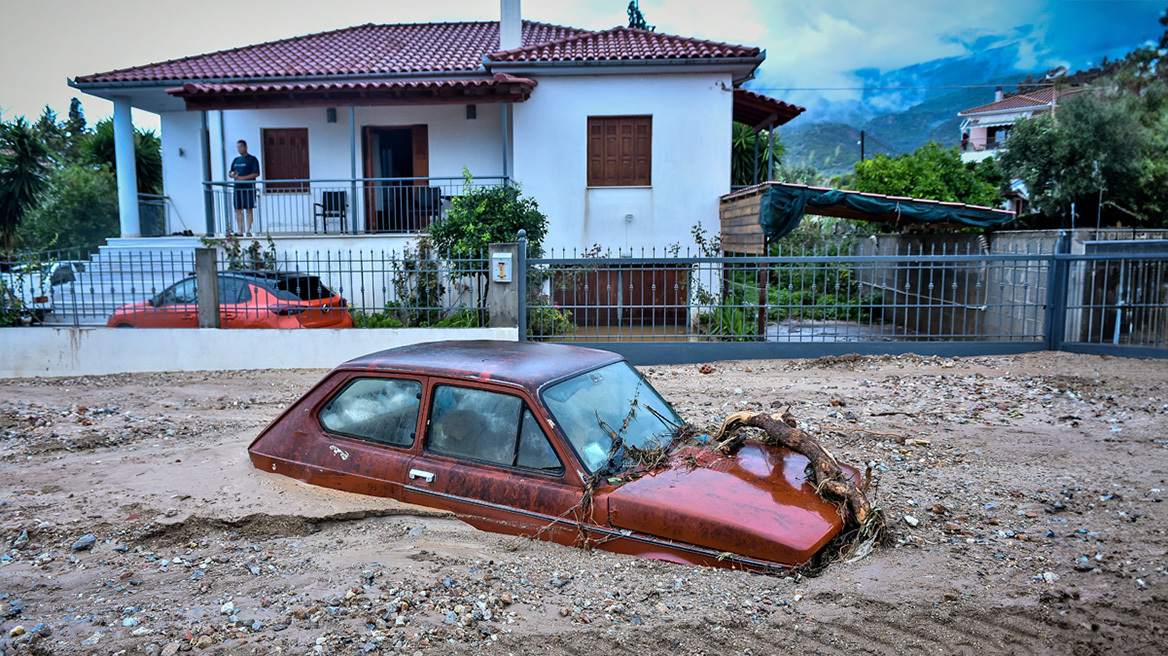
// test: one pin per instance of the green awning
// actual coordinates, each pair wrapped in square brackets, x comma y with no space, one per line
[783,205]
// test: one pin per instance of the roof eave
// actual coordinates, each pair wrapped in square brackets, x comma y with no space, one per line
[747,64]
[171,82]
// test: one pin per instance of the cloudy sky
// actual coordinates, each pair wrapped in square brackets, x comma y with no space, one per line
[818,51]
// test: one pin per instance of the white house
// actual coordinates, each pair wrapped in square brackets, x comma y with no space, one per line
[363,133]
[986,129]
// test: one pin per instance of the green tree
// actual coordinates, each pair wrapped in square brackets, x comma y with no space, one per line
[79,209]
[486,215]
[1095,141]
[23,173]
[931,172]
[98,148]
[743,159]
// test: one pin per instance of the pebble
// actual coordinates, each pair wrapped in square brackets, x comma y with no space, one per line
[911,521]
[85,542]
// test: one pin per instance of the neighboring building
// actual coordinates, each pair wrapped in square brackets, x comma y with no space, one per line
[623,136]
[986,129]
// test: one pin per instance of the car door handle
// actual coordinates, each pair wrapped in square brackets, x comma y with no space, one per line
[418,473]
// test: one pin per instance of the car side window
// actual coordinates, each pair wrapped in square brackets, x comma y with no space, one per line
[382,410]
[181,293]
[233,290]
[535,451]
[474,423]
[488,426]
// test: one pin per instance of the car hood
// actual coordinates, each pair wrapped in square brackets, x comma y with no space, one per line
[755,503]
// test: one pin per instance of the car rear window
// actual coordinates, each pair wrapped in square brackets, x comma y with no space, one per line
[301,288]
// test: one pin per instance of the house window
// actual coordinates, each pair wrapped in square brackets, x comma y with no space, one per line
[285,153]
[620,151]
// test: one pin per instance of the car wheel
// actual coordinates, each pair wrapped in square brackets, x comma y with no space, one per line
[124,325]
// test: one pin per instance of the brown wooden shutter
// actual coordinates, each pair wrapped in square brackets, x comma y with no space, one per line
[421,153]
[285,152]
[620,151]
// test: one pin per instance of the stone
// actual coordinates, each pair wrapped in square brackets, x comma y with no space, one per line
[170,650]
[911,521]
[203,642]
[85,542]
[227,608]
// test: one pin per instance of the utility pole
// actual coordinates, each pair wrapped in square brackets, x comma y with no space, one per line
[862,135]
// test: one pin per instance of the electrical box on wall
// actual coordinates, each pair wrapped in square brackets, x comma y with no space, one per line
[500,267]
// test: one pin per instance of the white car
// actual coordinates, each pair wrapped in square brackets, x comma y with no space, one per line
[27,288]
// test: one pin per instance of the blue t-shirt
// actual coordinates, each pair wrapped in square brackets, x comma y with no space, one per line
[245,165]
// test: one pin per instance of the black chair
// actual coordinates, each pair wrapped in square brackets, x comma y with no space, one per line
[332,205]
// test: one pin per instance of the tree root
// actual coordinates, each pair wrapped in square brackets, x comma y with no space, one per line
[829,480]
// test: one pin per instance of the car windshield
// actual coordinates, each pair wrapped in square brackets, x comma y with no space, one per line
[596,408]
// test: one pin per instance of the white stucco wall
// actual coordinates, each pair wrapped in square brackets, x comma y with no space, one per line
[454,142]
[34,352]
[182,170]
[692,117]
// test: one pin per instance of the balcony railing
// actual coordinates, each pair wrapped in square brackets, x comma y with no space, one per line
[341,206]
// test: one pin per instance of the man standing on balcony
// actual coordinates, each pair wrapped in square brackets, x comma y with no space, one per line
[244,169]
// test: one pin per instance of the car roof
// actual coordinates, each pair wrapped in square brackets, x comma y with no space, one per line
[528,364]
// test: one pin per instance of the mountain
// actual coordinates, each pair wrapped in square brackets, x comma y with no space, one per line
[901,110]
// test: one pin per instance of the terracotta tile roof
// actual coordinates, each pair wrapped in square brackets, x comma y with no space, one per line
[623,43]
[1040,98]
[754,108]
[364,49]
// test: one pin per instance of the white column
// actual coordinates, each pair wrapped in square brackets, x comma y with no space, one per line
[131,226]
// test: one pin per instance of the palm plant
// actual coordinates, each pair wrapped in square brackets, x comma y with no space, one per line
[98,148]
[744,158]
[23,176]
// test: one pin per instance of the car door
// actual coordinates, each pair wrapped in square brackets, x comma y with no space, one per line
[176,307]
[369,428]
[487,457]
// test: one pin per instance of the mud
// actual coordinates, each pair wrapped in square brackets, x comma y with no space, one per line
[1025,495]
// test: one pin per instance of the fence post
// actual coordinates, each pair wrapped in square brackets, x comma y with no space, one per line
[521,273]
[503,287]
[1056,294]
[207,279]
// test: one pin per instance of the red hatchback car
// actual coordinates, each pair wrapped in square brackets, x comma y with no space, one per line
[246,300]
[537,440]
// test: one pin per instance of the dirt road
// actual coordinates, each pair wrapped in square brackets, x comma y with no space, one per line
[1024,492]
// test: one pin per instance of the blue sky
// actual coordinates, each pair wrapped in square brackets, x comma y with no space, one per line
[810,44]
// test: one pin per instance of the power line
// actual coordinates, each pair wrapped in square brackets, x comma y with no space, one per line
[955,86]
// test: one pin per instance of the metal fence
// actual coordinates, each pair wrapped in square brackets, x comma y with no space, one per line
[357,206]
[652,307]
[258,287]
[681,308]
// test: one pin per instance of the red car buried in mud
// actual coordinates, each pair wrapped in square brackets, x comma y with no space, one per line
[246,300]
[539,440]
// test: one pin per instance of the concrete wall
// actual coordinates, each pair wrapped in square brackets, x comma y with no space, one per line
[690,151]
[29,352]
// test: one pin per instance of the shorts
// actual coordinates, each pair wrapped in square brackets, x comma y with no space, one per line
[245,198]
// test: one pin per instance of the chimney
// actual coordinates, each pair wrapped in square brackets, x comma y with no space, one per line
[998,94]
[510,25]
